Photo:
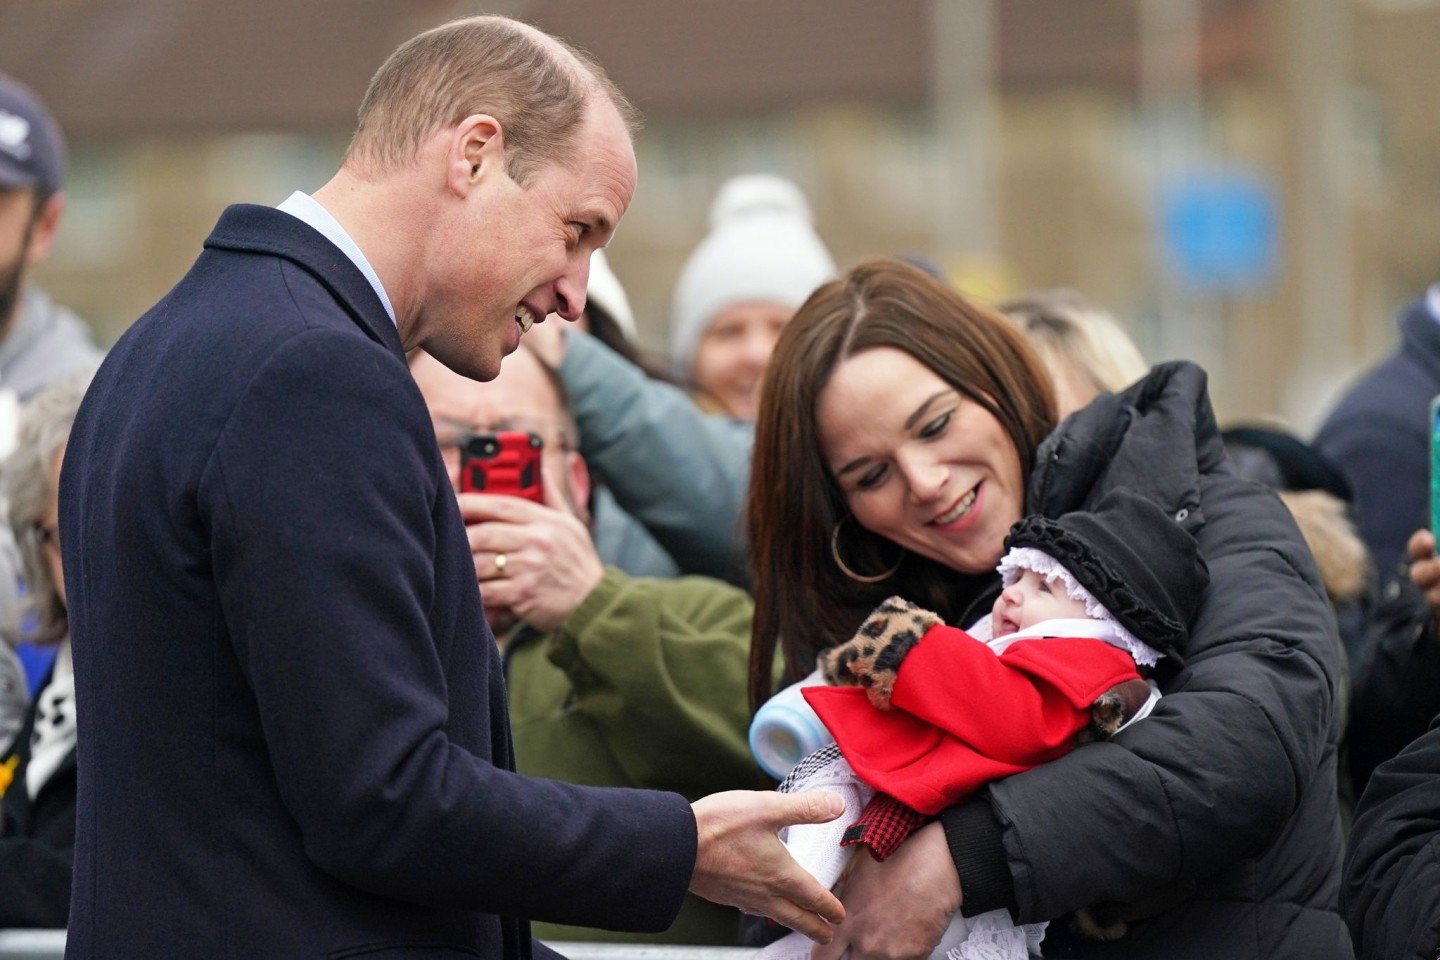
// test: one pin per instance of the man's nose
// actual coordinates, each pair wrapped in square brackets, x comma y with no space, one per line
[570,289]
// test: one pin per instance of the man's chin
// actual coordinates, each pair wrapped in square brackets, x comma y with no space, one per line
[474,361]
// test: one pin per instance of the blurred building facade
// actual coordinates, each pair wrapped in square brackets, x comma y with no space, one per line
[1254,184]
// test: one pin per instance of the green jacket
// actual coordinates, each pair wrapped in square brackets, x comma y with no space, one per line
[642,686]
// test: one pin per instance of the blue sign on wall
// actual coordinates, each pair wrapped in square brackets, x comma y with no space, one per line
[1219,231]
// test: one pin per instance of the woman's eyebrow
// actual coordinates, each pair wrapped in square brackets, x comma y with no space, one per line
[909,424]
[920,411]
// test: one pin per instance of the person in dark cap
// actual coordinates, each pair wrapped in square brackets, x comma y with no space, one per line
[40,343]
[1092,601]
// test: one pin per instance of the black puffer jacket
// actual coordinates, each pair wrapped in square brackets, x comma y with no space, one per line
[1213,823]
[1392,872]
[1396,679]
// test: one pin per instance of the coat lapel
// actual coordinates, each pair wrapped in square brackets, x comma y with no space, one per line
[251,228]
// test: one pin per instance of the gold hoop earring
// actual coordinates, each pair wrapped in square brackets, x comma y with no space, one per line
[845,568]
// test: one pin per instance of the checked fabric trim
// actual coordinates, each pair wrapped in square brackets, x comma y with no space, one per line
[883,826]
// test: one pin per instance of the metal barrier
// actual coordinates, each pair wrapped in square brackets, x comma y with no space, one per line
[635,951]
[50,945]
[32,944]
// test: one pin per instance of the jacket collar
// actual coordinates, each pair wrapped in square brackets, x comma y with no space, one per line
[250,228]
[1154,438]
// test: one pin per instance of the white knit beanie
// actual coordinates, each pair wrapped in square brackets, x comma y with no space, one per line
[761,247]
[606,293]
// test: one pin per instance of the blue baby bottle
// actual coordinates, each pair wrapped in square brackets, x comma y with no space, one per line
[786,730]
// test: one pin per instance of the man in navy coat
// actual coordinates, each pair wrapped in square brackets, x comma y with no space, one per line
[293,735]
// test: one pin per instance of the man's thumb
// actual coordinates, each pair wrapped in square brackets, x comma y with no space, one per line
[816,806]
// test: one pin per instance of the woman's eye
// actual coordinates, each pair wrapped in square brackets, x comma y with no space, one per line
[871,477]
[1044,586]
[935,427]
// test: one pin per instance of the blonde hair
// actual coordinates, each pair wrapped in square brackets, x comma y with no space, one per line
[1072,334]
[45,423]
[536,85]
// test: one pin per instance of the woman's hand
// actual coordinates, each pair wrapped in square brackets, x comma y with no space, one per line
[899,909]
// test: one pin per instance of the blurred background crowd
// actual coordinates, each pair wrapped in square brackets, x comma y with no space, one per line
[1247,183]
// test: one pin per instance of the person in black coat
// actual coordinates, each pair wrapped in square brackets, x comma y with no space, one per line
[37,776]
[903,429]
[1397,679]
[1391,894]
[273,603]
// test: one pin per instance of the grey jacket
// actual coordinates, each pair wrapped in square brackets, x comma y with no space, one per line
[622,542]
[48,343]
[681,473]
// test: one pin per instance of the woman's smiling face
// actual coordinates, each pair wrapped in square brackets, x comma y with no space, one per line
[919,462]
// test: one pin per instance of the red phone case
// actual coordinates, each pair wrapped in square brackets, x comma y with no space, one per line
[506,463]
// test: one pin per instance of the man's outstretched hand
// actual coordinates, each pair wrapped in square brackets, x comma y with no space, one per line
[742,863]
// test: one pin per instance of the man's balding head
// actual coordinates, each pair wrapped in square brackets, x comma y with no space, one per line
[537,86]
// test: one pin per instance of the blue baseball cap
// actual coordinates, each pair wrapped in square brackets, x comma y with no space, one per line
[32,153]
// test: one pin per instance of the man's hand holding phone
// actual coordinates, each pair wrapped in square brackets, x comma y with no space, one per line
[1420,548]
[508,462]
[534,560]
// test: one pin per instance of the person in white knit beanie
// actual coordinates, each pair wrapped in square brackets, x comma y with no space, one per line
[760,261]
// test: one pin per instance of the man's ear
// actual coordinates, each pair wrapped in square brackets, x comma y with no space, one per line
[47,220]
[477,152]
[579,476]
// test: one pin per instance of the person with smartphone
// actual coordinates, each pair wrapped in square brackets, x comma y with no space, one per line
[1391,890]
[613,680]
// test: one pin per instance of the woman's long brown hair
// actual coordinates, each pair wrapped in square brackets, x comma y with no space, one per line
[803,602]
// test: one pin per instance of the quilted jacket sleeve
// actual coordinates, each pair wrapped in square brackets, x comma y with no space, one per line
[680,472]
[1391,896]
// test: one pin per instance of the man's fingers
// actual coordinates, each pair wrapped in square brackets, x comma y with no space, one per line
[814,806]
[834,950]
[1421,545]
[475,507]
[802,920]
[805,892]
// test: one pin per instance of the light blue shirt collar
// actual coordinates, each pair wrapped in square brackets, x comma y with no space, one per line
[1432,300]
[307,209]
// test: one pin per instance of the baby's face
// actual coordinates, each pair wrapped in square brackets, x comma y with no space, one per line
[1031,599]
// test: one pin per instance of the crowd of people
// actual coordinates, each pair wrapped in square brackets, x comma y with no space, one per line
[1104,679]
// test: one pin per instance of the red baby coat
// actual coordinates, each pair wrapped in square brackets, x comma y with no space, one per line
[964,716]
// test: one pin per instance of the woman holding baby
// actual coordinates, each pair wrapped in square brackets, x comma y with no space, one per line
[903,430]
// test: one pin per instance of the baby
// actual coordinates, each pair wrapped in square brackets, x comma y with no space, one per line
[1057,663]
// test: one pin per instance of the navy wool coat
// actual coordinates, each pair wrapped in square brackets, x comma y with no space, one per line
[293,737]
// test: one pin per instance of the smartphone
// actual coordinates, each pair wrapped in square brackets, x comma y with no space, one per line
[1435,467]
[507,462]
